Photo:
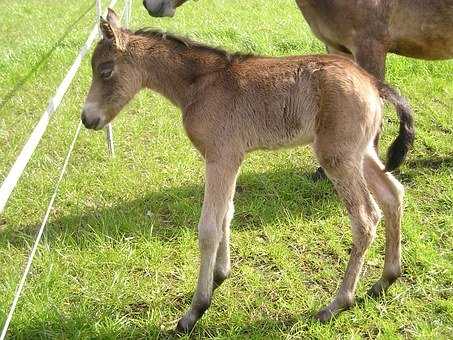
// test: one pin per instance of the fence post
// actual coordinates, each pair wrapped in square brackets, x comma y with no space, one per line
[108,129]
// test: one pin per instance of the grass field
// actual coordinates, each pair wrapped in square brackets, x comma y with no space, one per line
[119,257]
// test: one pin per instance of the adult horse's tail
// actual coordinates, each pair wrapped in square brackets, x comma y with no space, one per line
[397,152]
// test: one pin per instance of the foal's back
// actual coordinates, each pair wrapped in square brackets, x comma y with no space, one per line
[270,103]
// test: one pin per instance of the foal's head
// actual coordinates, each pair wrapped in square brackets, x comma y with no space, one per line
[115,79]
[162,8]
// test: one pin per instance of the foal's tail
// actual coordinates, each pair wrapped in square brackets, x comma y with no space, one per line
[397,152]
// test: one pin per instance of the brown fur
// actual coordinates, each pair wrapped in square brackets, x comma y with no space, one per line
[367,30]
[234,104]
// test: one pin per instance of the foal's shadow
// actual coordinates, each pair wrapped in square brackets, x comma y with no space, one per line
[72,326]
[433,163]
[417,165]
[261,199]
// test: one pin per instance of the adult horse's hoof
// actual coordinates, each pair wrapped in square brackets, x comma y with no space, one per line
[319,175]
[185,325]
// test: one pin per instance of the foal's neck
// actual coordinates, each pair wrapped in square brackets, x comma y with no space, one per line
[171,67]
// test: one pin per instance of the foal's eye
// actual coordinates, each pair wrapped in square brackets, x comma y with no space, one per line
[105,70]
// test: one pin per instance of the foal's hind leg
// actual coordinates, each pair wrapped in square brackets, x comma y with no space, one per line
[346,175]
[389,196]
[320,173]
[220,181]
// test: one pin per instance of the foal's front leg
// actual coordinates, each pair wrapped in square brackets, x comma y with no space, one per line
[223,263]
[220,181]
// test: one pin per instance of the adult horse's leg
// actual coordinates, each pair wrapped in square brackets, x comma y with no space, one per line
[220,180]
[370,54]
[333,50]
[389,196]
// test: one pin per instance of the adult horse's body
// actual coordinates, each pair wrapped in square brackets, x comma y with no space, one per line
[369,29]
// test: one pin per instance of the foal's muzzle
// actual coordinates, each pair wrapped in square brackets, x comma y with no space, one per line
[91,123]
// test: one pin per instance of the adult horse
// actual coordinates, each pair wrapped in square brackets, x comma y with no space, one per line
[367,30]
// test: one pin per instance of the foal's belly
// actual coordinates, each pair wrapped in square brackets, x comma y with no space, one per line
[287,135]
[285,144]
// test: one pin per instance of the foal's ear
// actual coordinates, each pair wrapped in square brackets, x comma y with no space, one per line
[112,18]
[113,34]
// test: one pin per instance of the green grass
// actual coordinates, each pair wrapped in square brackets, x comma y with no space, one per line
[119,257]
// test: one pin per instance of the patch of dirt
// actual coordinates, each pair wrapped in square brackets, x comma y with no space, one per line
[136,309]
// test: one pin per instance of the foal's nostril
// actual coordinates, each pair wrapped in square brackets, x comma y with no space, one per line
[90,124]
[95,123]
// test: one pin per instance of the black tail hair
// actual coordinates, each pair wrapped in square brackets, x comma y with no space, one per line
[397,152]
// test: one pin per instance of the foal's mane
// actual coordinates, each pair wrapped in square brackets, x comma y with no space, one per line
[186,43]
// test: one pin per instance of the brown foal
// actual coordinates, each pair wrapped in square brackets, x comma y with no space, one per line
[233,104]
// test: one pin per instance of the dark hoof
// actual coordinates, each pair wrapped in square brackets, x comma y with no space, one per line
[319,175]
[378,289]
[375,292]
[185,326]
[324,315]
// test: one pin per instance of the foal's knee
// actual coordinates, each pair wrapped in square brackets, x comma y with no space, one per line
[363,235]
[209,235]
[392,198]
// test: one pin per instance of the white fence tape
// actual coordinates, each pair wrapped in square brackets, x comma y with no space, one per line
[22,160]
[21,285]
[19,166]
[125,17]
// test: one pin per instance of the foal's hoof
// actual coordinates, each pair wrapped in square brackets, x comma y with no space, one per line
[376,290]
[185,325]
[379,288]
[319,175]
[324,315]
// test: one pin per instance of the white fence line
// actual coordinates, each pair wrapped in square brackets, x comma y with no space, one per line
[21,284]
[27,151]
[125,17]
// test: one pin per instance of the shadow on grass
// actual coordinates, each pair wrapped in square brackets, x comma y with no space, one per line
[416,166]
[81,326]
[261,199]
[433,163]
